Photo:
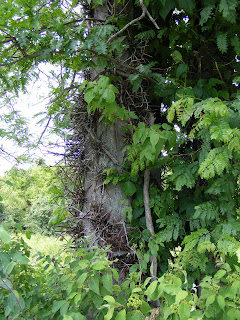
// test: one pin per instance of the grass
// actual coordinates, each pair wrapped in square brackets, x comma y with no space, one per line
[47,245]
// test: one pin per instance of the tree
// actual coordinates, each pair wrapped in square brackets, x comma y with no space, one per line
[26,196]
[156,119]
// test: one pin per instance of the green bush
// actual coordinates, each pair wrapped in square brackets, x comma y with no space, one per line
[84,284]
[39,215]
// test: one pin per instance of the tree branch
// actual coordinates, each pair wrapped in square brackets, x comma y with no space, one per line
[144,13]
[42,134]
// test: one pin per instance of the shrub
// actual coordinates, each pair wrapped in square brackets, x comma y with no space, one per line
[86,285]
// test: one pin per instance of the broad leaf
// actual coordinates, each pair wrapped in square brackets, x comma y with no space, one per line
[129,188]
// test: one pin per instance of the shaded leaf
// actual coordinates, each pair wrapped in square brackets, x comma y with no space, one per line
[129,188]
[4,236]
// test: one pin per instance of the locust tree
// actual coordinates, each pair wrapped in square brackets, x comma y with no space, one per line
[149,93]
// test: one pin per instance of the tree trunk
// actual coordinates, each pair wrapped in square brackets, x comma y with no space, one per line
[104,207]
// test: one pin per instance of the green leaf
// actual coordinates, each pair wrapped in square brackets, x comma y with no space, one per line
[28,234]
[8,268]
[181,296]
[72,295]
[109,314]
[129,188]
[77,298]
[134,315]
[221,302]
[57,305]
[67,259]
[4,235]
[109,95]
[89,96]
[187,5]
[154,138]
[136,81]
[220,274]
[121,315]
[222,42]
[98,265]
[104,82]
[9,183]
[109,299]
[102,62]
[182,68]
[184,311]
[66,317]
[107,282]
[20,258]
[94,285]
[82,278]
[172,289]
[205,14]
[137,135]
[115,274]
[210,300]
[4,256]
[231,314]
[64,308]
[151,289]
[166,8]
[177,57]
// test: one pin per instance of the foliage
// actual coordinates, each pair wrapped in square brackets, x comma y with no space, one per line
[26,196]
[85,283]
[47,245]
[40,214]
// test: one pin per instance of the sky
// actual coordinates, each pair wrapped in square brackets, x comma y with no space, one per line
[35,101]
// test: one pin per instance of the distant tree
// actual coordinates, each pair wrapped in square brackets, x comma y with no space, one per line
[23,193]
[39,215]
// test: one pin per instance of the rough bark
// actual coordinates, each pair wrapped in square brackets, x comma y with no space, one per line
[105,148]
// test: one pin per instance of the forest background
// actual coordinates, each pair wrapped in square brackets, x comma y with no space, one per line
[148,103]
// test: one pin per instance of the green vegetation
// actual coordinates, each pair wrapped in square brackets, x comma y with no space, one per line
[153,157]
[85,283]
[29,197]
[44,244]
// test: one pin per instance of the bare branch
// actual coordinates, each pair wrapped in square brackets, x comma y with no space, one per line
[45,129]
[144,13]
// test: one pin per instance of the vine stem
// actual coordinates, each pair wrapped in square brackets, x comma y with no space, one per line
[148,216]
[18,302]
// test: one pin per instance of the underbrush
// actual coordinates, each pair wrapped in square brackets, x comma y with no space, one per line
[47,245]
[84,285]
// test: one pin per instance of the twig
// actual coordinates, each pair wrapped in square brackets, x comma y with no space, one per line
[144,13]
[44,129]
[63,92]
[123,66]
